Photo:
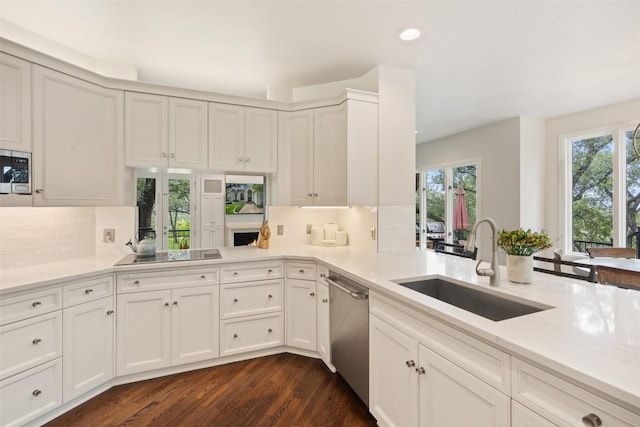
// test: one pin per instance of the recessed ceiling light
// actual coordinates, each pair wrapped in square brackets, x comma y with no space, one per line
[409,34]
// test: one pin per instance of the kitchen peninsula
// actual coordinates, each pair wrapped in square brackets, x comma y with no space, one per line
[576,359]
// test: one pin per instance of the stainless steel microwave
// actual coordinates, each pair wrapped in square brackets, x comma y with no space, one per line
[15,170]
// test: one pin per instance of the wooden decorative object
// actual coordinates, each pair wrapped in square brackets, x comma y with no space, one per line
[611,252]
[618,277]
[264,235]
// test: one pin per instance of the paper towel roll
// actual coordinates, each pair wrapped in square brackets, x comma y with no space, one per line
[341,238]
[330,231]
[317,235]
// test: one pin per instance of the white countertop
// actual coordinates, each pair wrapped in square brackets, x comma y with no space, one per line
[592,335]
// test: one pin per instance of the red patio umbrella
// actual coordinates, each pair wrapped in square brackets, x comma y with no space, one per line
[460,215]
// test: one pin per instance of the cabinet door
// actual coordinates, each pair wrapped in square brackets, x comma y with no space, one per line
[212,220]
[77,141]
[261,140]
[295,163]
[195,324]
[146,129]
[330,156]
[226,137]
[88,346]
[188,133]
[451,396]
[301,313]
[15,103]
[524,417]
[393,380]
[324,341]
[143,331]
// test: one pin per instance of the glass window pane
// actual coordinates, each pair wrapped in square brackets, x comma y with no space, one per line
[436,196]
[179,206]
[146,203]
[465,176]
[592,192]
[632,213]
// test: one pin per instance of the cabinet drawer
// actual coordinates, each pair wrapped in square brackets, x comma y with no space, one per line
[482,360]
[136,282]
[561,402]
[85,291]
[249,334]
[28,305]
[302,271]
[252,271]
[31,394]
[244,299]
[30,342]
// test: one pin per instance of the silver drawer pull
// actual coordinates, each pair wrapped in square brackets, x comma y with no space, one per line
[270,330]
[313,294]
[269,271]
[325,300]
[36,392]
[270,296]
[421,370]
[137,282]
[235,300]
[36,304]
[235,335]
[88,291]
[37,341]
[322,275]
[203,277]
[301,271]
[175,303]
[166,304]
[591,420]
[109,313]
[235,273]
[410,363]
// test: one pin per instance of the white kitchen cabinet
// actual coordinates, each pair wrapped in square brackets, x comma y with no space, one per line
[212,208]
[156,328]
[88,331]
[163,131]
[328,155]
[301,306]
[322,315]
[77,147]
[242,139]
[521,416]
[15,103]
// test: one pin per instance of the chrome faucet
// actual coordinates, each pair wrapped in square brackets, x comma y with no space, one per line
[494,271]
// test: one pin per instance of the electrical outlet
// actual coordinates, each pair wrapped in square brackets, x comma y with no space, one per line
[309,228]
[280,229]
[109,235]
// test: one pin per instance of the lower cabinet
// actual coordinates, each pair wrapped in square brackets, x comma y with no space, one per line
[88,348]
[158,329]
[301,313]
[523,417]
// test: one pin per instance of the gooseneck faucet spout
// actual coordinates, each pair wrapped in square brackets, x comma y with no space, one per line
[494,271]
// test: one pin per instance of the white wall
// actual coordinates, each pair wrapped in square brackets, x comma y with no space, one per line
[497,146]
[532,173]
[581,121]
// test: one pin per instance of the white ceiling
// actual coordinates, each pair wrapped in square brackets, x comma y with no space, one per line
[477,62]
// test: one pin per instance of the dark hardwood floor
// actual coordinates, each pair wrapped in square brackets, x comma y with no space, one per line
[280,390]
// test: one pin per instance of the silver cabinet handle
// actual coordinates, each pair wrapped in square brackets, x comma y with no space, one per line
[309,194]
[37,341]
[240,159]
[203,277]
[247,160]
[269,271]
[109,313]
[88,291]
[137,282]
[235,300]
[270,330]
[39,191]
[235,273]
[235,335]
[36,304]
[322,275]
[591,420]
[270,296]
[315,194]
[325,300]
[410,363]
[164,154]
[313,294]
[175,303]
[173,156]
[166,304]
[420,370]
[36,392]
[301,271]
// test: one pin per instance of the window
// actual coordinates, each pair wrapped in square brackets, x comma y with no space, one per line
[436,201]
[601,197]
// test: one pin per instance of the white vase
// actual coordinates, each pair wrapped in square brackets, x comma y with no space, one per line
[520,268]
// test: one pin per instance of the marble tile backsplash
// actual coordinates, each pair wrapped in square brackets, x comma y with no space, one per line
[31,236]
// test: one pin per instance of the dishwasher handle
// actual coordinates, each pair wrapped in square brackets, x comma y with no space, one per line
[357,293]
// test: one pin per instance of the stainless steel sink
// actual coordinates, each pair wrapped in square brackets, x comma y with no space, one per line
[480,302]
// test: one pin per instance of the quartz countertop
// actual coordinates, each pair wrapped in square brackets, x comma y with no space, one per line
[591,335]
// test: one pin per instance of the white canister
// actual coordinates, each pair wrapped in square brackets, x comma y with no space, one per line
[317,235]
[330,231]
[342,238]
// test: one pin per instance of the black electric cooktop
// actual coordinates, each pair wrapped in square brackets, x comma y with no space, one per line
[172,256]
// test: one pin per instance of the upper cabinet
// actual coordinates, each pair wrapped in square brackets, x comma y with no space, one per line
[77,141]
[163,131]
[242,139]
[329,155]
[15,103]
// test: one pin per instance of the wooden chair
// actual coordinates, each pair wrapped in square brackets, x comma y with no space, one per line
[559,255]
[618,277]
[457,250]
[556,270]
[611,252]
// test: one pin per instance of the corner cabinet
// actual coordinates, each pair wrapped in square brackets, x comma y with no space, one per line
[15,103]
[329,155]
[301,305]
[242,139]
[77,147]
[163,131]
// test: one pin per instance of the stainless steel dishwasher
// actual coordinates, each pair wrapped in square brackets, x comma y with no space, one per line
[349,330]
